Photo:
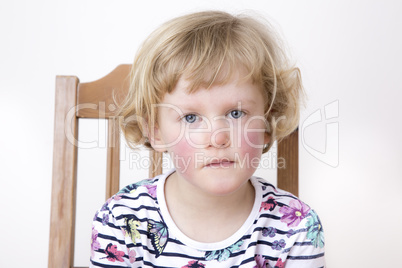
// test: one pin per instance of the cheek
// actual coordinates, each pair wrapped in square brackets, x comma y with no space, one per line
[172,137]
[182,148]
[252,144]
[182,155]
[253,133]
[254,137]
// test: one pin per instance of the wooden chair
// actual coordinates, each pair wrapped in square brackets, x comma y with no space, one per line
[76,100]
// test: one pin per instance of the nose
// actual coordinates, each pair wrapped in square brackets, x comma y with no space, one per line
[221,134]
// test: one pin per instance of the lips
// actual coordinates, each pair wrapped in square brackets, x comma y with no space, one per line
[220,163]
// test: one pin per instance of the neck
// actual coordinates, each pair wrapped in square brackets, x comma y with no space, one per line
[179,190]
[193,210]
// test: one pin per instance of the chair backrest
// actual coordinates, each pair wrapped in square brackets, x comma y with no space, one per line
[96,99]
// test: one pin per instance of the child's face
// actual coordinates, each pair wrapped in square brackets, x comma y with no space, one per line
[215,137]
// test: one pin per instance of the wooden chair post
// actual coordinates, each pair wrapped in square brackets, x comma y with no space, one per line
[156,159]
[113,158]
[288,175]
[62,219]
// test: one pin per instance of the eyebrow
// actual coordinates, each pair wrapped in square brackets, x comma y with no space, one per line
[190,106]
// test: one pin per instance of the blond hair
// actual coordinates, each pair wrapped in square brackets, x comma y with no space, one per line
[206,48]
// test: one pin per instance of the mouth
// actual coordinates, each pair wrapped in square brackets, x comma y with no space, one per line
[224,163]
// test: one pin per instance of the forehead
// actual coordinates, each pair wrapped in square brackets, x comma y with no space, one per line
[227,73]
[236,91]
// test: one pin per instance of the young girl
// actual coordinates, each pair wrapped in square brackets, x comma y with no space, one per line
[213,91]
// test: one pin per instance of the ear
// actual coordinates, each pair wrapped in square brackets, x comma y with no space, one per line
[155,138]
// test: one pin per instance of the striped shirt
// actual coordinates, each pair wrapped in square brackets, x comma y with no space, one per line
[134,229]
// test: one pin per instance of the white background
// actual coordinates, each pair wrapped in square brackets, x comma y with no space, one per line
[350,56]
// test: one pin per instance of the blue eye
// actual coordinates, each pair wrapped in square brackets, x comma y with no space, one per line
[236,114]
[190,118]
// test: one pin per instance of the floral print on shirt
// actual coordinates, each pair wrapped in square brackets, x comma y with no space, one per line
[314,230]
[223,254]
[294,213]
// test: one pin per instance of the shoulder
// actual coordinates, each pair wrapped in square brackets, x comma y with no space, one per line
[273,197]
[289,214]
[122,223]
[133,199]
[147,186]
[290,228]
